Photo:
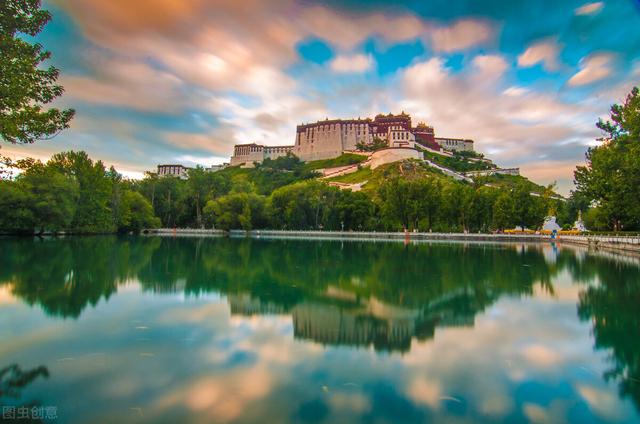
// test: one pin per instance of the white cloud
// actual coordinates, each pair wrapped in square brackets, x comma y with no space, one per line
[545,52]
[515,91]
[128,83]
[589,8]
[593,68]
[490,66]
[348,30]
[601,401]
[352,63]
[461,35]
[513,125]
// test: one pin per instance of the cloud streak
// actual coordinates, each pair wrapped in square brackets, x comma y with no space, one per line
[593,68]
[353,63]
[544,52]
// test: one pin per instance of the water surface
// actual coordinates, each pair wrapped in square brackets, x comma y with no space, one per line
[153,329]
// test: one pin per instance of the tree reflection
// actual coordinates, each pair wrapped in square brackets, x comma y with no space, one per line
[383,294]
[612,306]
[65,275]
[13,380]
[380,294]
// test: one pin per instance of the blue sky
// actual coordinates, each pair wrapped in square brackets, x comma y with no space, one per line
[163,81]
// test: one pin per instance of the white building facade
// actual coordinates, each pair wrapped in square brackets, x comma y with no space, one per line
[330,138]
[173,170]
[455,144]
[248,154]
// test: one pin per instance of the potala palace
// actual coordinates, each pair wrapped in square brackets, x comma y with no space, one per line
[330,138]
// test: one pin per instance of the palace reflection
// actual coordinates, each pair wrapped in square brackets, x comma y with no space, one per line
[383,296]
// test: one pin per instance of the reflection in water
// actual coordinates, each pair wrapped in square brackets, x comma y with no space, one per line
[66,275]
[613,307]
[13,381]
[386,296]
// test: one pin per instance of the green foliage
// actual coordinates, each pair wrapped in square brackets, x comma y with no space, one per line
[71,193]
[404,201]
[26,86]
[237,210]
[504,212]
[202,184]
[458,162]
[75,194]
[376,144]
[568,211]
[596,219]
[137,213]
[361,175]
[270,175]
[297,206]
[93,214]
[529,211]
[54,197]
[432,202]
[15,204]
[511,182]
[611,177]
[468,154]
[313,206]
[342,160]
[289,162]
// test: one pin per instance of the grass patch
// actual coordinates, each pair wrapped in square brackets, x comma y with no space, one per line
[510,181]
[456,163]
[359,176]
[342,160]
[411,169]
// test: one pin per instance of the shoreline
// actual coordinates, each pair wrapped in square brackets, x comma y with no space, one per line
[597,242]
[629,244]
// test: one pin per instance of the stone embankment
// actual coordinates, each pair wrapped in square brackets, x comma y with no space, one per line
[185,232]
[372,235]
[627,243]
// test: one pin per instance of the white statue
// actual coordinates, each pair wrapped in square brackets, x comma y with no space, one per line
[579,224]
[550,224]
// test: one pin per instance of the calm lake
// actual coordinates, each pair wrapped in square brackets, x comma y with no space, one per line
[176,330]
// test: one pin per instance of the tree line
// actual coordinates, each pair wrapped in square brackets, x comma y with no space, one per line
[73,193]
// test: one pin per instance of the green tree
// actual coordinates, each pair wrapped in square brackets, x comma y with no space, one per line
[529,211]
[93,214]
[611,176]
[480,214]
[237,210]
[55,196]
[15,204]
[26,87]
[351,211]
[137,213]
[503,211]
[200,184]
[405,203]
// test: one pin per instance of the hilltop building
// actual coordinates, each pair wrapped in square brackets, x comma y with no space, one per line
[181,171]
[250,153]
[330,138]
[216,168]
[173,170]
[455,144]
